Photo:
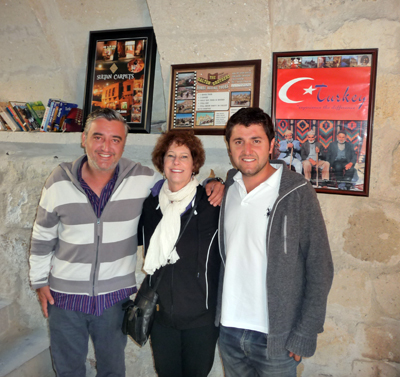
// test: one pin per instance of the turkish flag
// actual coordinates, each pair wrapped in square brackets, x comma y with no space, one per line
[323,93]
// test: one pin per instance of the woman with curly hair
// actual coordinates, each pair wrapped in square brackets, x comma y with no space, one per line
[183,336]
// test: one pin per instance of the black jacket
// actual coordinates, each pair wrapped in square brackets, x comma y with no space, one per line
[188,289]
[348,150]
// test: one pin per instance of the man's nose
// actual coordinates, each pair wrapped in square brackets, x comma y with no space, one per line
[248,148]
[106,145]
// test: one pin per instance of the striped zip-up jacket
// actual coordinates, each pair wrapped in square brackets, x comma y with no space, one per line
[75,252]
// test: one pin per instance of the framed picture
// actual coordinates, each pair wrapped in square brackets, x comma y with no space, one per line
[205,95]
[323,109]
[120,74]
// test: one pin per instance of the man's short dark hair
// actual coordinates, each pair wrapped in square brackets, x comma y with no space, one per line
[247,117]
[107,114]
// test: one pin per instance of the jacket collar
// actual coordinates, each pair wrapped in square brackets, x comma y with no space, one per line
[71,168]
[289,179]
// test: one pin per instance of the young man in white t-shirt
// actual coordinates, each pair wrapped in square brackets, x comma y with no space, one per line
[277,262]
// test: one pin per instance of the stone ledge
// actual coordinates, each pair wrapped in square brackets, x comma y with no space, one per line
[75,138]
[67,146]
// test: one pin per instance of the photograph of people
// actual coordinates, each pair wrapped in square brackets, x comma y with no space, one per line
[290,151]
[311,156]
[342,158]
[183,336]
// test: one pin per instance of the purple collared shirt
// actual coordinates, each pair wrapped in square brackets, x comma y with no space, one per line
[93,304]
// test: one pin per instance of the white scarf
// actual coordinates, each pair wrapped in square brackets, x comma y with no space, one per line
[161,248]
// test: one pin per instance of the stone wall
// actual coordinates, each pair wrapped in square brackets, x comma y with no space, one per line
[44,55]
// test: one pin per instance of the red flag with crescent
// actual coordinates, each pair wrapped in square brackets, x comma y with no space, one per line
[323,93]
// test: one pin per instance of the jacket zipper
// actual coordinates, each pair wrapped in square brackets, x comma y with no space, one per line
[208,255]
[172,295]
[97,255]
[76,183]
[284,235]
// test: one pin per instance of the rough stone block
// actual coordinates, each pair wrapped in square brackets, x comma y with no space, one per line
[337,339]
[395,176]
[4,316]
[372,236]
[374,369]
[352,290]
[387,289]
[382,342]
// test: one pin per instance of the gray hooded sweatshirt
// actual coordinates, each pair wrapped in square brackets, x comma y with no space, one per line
[300,267]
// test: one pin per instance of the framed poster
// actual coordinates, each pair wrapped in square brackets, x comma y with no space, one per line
[322,108]
[205,95]
[120,74]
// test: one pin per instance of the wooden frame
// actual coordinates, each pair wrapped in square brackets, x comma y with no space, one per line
[326,92]
[120,74]
[205,95]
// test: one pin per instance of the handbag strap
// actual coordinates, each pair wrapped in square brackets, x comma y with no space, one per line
[196,201]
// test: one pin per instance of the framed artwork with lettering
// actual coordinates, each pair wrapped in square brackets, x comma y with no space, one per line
[205,95]
[120,74]
[323,110]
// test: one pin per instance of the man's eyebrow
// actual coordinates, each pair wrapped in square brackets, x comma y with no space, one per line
[100,134]
[251,138]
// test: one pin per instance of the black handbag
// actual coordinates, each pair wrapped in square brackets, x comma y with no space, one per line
[139,314]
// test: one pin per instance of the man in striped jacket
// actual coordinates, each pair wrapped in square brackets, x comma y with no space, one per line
[83,250]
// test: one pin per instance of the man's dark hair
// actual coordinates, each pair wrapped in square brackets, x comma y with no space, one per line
[247,117]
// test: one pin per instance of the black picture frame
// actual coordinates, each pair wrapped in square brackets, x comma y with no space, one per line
[120,74]
[204,96]
[327,92]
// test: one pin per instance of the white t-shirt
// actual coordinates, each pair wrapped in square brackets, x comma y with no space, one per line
[244,298]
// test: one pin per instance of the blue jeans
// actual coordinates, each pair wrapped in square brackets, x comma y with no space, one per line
[69,340]
[244,354]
